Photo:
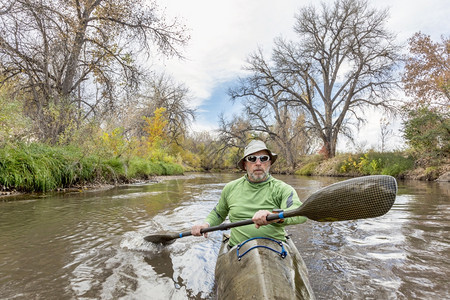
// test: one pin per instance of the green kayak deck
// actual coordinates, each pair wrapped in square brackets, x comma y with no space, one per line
[261,272]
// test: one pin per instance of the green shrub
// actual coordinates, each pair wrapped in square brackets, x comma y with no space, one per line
[427,131]
[171,168]
[373,163]
[34,167]
[393,170]
[308,169]
[39,167]
[138,168]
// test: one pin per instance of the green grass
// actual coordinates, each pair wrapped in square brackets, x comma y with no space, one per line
[142,168]
[395,164]
[308,169]
[39,167]
[374,163]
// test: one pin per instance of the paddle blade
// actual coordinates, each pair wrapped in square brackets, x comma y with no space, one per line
[357,198]
[161,238]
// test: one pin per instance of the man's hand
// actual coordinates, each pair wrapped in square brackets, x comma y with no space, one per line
[195,230]
[259,218]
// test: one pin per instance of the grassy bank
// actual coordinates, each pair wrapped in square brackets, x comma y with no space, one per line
[397,164]
[39,167]
[371,163]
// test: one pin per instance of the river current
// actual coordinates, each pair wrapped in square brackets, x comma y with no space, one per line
[89,245]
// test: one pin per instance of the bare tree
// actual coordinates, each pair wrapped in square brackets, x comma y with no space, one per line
[271,115]
[235,132]
[6,7]
[385,133]
[342,62]
[76,58]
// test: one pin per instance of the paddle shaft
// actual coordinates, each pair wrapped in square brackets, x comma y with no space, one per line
[226,226]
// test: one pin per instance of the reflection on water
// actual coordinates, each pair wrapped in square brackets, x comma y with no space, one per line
[90,245]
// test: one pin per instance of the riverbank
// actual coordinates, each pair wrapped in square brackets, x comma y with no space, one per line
[41,168]
[440,173]
[395,164]
[419,174]
[97,186]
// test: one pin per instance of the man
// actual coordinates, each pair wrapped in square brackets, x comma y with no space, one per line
[254,196]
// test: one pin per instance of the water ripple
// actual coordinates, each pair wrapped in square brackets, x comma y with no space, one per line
[91,246]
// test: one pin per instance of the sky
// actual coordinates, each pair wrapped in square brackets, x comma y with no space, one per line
[224,33]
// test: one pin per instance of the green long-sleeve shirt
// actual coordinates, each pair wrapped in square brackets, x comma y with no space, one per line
[240,199]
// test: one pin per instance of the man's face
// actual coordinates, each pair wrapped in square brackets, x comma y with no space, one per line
[258,171]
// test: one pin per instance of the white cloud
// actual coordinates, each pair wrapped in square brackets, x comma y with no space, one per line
[223,34]
[408,17]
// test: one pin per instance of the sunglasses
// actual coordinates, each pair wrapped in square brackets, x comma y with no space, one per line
[253,158]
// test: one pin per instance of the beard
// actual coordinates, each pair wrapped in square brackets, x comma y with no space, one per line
[258,175]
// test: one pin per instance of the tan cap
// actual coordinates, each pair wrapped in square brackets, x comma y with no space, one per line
[253,147]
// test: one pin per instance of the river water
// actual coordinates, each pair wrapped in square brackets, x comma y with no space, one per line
[89,245]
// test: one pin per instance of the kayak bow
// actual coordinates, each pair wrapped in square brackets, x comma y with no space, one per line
[261,268]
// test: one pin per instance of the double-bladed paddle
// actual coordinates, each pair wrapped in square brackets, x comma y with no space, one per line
[356,198]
